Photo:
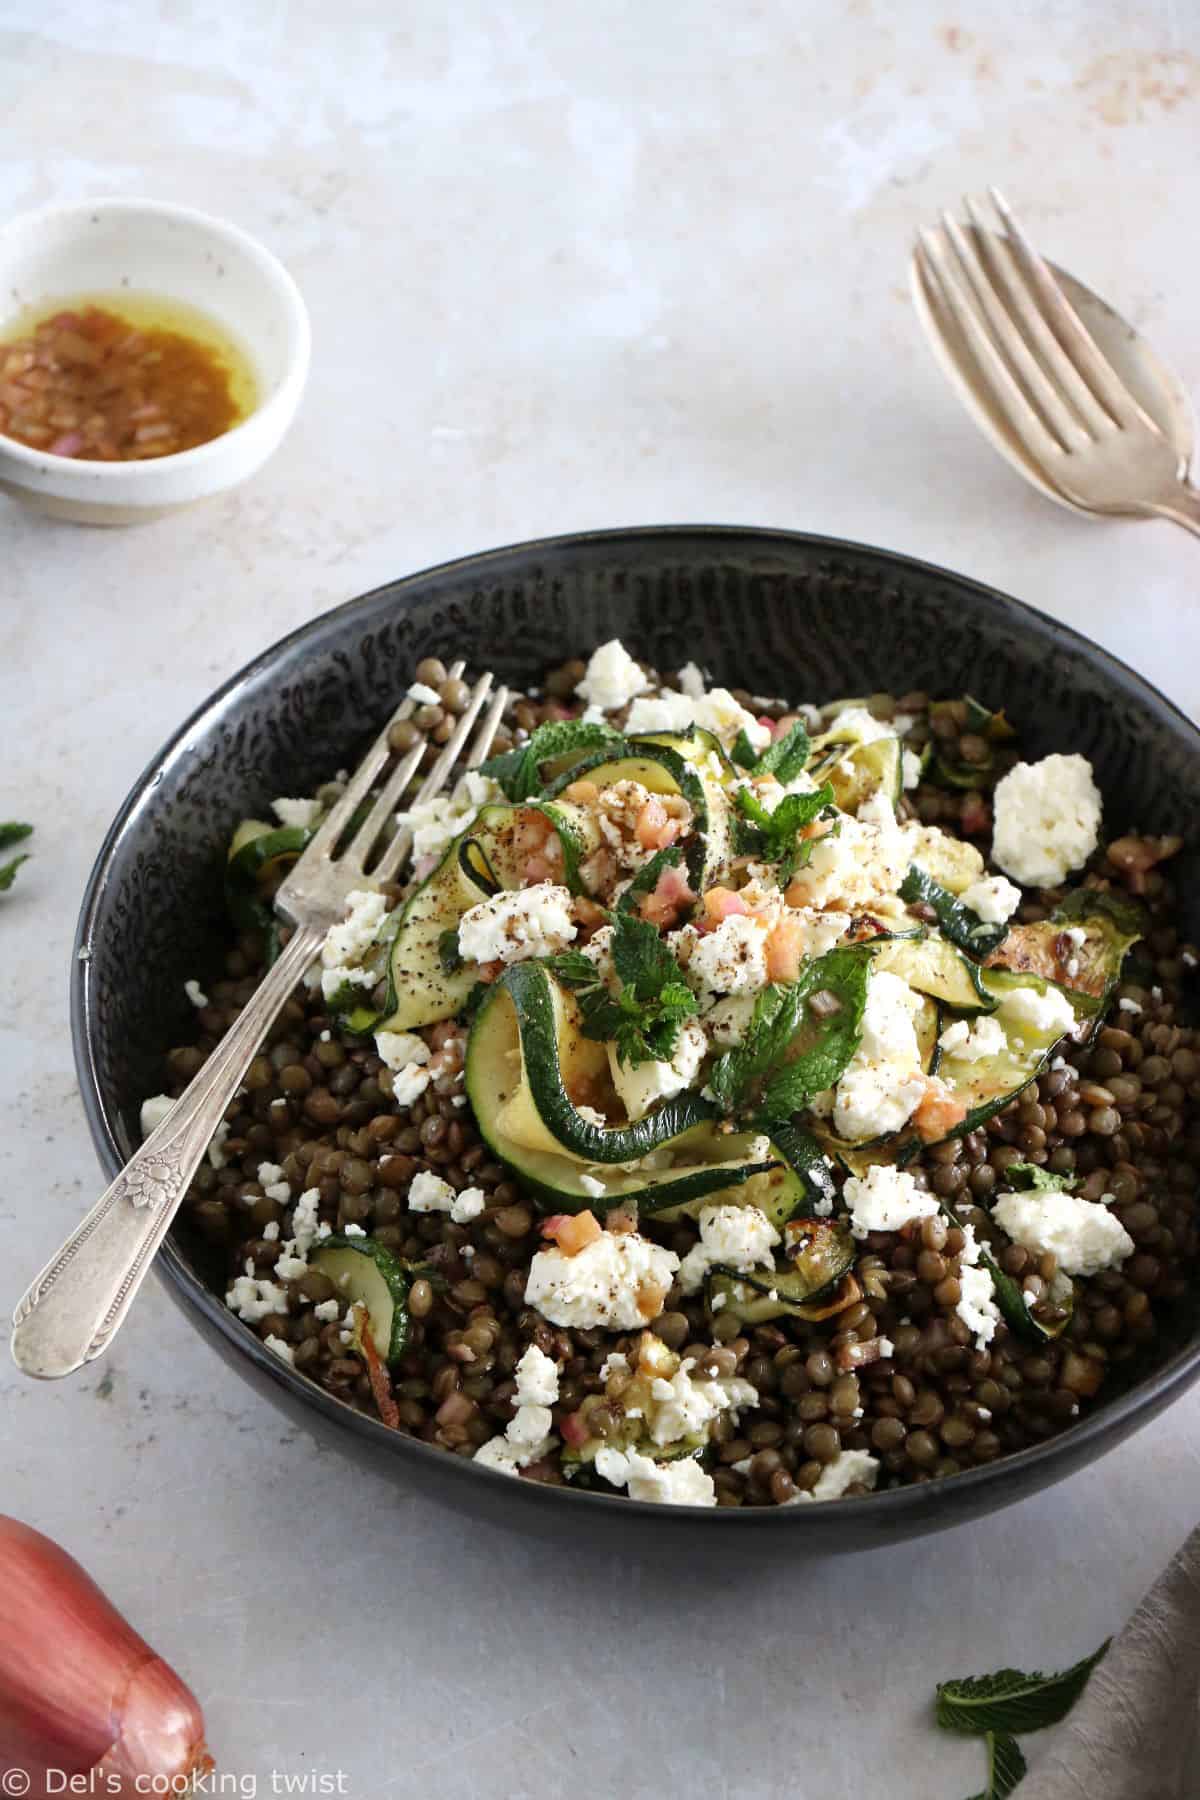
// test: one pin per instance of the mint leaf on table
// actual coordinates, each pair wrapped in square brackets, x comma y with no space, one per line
[964,928]
[644,1016]
[1011,1700]
[791,1051]
[12,833]
[518,771]
[1006,1766]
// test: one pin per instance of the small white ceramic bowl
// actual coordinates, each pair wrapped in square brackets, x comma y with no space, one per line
[149,247]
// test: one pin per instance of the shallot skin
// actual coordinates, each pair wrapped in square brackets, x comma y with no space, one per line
[79,1689]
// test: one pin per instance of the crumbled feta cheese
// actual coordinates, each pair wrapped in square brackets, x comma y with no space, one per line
[854,863]
[409,1083]
[305,1224]
[1083,1234]
[282,1349]
[592,1185]
[326,1311]
[537,1378]
[730,960]
[727,1020]
[857,726]
[691,681]
[910,769]
[348,942]
[297,815]
[599,949]
[1126,1005]
[252,1299]
[976,1305]
[847,1467]
[877,809]
[716,711]
[679,1483]
[529,1429]
[351,1231]
[270,1231]
[972,1042]
[615,1363]
[886,1349]
[429,1193]
[511,926]
[993,898]
[618,1282]
[154,1111]
[885,1199]
[1077,934]
[1048,1014]
[1046,819]
[423,694]
[612,678]
[195,993]
[436,823]
[686,1405]
[641,1085]
[884,1080]
[468,1205]
[741,1237]
[399,1048]
[216,1154]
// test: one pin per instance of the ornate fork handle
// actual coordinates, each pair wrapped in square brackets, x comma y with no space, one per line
[74,1308]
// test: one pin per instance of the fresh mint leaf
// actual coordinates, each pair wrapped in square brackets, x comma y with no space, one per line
[12,833]
[449,954]
[1006,1766]
[964,928]
[776,836]
[785,758]
[743,753]
[573,969]
[644,1017]
[641,958]
[519,771]
[789,1051]
[1011,1700]
[1041,1181]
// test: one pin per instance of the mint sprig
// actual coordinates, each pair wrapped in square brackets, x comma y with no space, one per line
[775,836]
[518,771]
[12,833]
[644,1016]
[1006,1766]
[1030,1178]
[790,1052]
[785,758]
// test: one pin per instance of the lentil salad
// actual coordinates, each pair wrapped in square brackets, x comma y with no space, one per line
[902,1221]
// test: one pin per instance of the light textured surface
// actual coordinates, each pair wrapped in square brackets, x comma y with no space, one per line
[567,267]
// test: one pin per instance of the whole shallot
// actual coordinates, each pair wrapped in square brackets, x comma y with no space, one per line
[80,1691]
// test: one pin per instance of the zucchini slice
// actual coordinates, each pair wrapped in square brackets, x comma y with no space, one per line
[856,771]
[663,767]
[526,1054]
[824,1256]
[933,966]
[363,1271]
[959,923]
[487,857]
[991,1082]
[1110,926]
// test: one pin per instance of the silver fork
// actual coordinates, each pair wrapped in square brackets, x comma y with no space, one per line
[75,1307]
[1028,349]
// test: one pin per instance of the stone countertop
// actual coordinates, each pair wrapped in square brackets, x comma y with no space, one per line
[567,268]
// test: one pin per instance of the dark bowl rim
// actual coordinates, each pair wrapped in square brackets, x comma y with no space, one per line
[1149,1394]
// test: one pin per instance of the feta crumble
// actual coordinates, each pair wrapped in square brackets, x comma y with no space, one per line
[641,1086]
[739,1236]
[423,694]
[326,1311]
[252,1299]
[885,1199]
[679,1483]
[972,1042]
[1083,1234]
[1046,820]
[993,898]
[436,823]
[976,1305]
[297,815]
[537,1378]
[399,1048]
[612,678]
[195,993]
[884,1081]
[512,926]
[429,1193]
[717,711]
[1124,1004]
[1048,1014]
[154,1111]
[617,1282]
[910,769]
[730,960]
[847,1467]
[348,942]
[282,1349]
[409,1083]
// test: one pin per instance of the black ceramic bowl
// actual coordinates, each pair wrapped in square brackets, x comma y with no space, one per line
[776,612]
